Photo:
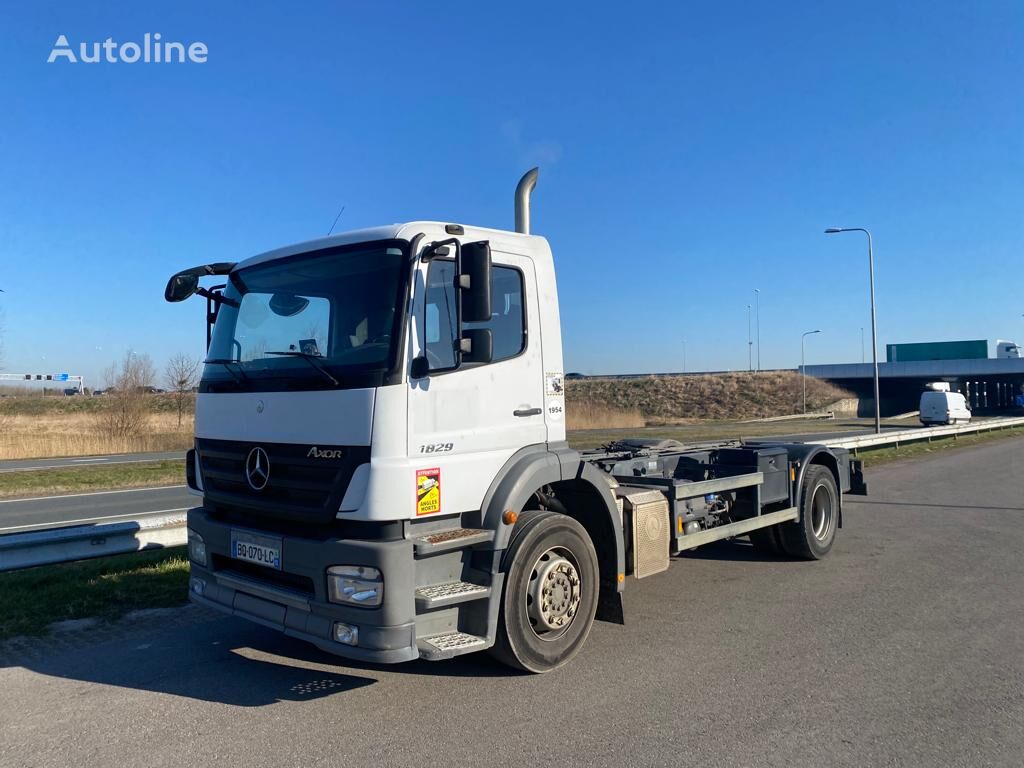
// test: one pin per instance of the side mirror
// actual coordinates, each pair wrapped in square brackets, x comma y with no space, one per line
[186,282]
[473,281]
[181,286]
[420,367]
[477,346]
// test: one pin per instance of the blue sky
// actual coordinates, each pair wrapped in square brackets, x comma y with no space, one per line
[689,153]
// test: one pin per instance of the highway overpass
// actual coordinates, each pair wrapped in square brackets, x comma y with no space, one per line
[989,384]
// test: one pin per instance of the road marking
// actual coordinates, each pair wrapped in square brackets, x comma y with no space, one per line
[82,461]
[69,523]
[91,493]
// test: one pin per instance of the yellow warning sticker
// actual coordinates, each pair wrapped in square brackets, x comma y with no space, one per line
[428,491]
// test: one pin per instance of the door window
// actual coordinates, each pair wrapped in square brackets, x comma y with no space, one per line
[507,323]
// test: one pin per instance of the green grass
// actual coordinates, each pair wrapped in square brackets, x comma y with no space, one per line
[106,588]
[922,448]
[43,482]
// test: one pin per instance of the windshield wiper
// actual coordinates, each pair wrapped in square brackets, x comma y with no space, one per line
[313,360]
[227,362]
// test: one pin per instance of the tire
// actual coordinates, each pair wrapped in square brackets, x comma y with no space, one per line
[766,541]
[811,537]
[534,636]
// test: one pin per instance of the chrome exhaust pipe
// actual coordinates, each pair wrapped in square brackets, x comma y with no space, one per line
[523,191]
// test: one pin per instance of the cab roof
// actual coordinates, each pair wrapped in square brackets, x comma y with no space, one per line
[403,231]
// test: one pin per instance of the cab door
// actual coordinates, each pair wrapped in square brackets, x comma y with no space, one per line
[466,422]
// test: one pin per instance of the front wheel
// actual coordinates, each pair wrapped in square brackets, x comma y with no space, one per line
[550,592]
[812,535]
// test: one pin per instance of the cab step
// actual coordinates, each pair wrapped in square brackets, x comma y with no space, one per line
[448,541]
[450,593]
[449,644]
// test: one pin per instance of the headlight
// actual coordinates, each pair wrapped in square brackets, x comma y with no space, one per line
[346,633]
[196,548]
[355,585]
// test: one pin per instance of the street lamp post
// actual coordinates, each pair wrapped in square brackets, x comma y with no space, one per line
[750,344]
[757,322]
[803,368]
[874,328]
[684,355]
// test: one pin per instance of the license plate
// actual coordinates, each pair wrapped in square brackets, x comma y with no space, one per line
[262,550]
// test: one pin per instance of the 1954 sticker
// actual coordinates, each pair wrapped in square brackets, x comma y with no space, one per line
[428,491]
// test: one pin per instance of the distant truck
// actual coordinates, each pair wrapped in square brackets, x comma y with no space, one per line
[975,349]
[940,406]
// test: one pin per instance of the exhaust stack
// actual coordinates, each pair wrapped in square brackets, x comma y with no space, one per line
[523,191]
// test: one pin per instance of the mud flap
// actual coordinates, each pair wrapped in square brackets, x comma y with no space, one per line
[609,606]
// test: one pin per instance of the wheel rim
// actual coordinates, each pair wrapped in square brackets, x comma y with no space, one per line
[821,512]
[553,594]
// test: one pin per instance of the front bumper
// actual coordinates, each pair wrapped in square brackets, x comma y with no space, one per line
[300,609]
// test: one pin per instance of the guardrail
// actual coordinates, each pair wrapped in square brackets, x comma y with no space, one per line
[82,542]
[896,437]
[792,417]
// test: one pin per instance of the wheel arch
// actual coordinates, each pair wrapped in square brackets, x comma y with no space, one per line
[587,498]
[835,460]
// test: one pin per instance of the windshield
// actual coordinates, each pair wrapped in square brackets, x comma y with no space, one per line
[320,320]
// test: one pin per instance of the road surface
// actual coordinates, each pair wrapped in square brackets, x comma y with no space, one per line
[82,508]
[903,648]
[68,462]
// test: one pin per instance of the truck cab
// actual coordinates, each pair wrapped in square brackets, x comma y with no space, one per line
[381,456]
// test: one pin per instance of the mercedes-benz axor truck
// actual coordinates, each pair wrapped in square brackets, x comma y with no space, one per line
[382,467]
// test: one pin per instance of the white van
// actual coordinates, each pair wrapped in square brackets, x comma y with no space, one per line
[940,406]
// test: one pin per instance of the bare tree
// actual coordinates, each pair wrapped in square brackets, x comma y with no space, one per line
[129,382]
[181,376]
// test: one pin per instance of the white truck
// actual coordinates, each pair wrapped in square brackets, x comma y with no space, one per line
[381,456]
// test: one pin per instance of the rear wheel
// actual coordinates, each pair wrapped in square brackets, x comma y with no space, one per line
[812,536]
[550,592]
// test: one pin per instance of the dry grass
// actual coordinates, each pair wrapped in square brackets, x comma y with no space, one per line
[587,415]
[78,434]
[680,399]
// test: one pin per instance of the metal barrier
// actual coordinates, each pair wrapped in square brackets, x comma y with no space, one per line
[897,437]
[793,417]
[82,542]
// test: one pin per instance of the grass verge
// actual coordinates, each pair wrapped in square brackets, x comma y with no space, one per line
[920,449]
[106,588]
[43,482]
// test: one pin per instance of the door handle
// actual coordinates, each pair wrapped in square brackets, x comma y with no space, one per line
[528,412]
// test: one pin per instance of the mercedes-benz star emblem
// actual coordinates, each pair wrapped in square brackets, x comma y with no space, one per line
[257,469]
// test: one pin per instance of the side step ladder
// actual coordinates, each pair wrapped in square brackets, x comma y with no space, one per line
[449,644]
[448,541]
[452,642]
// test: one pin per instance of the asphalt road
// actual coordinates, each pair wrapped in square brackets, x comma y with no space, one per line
[30,465]
[904,648]
[81,508]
